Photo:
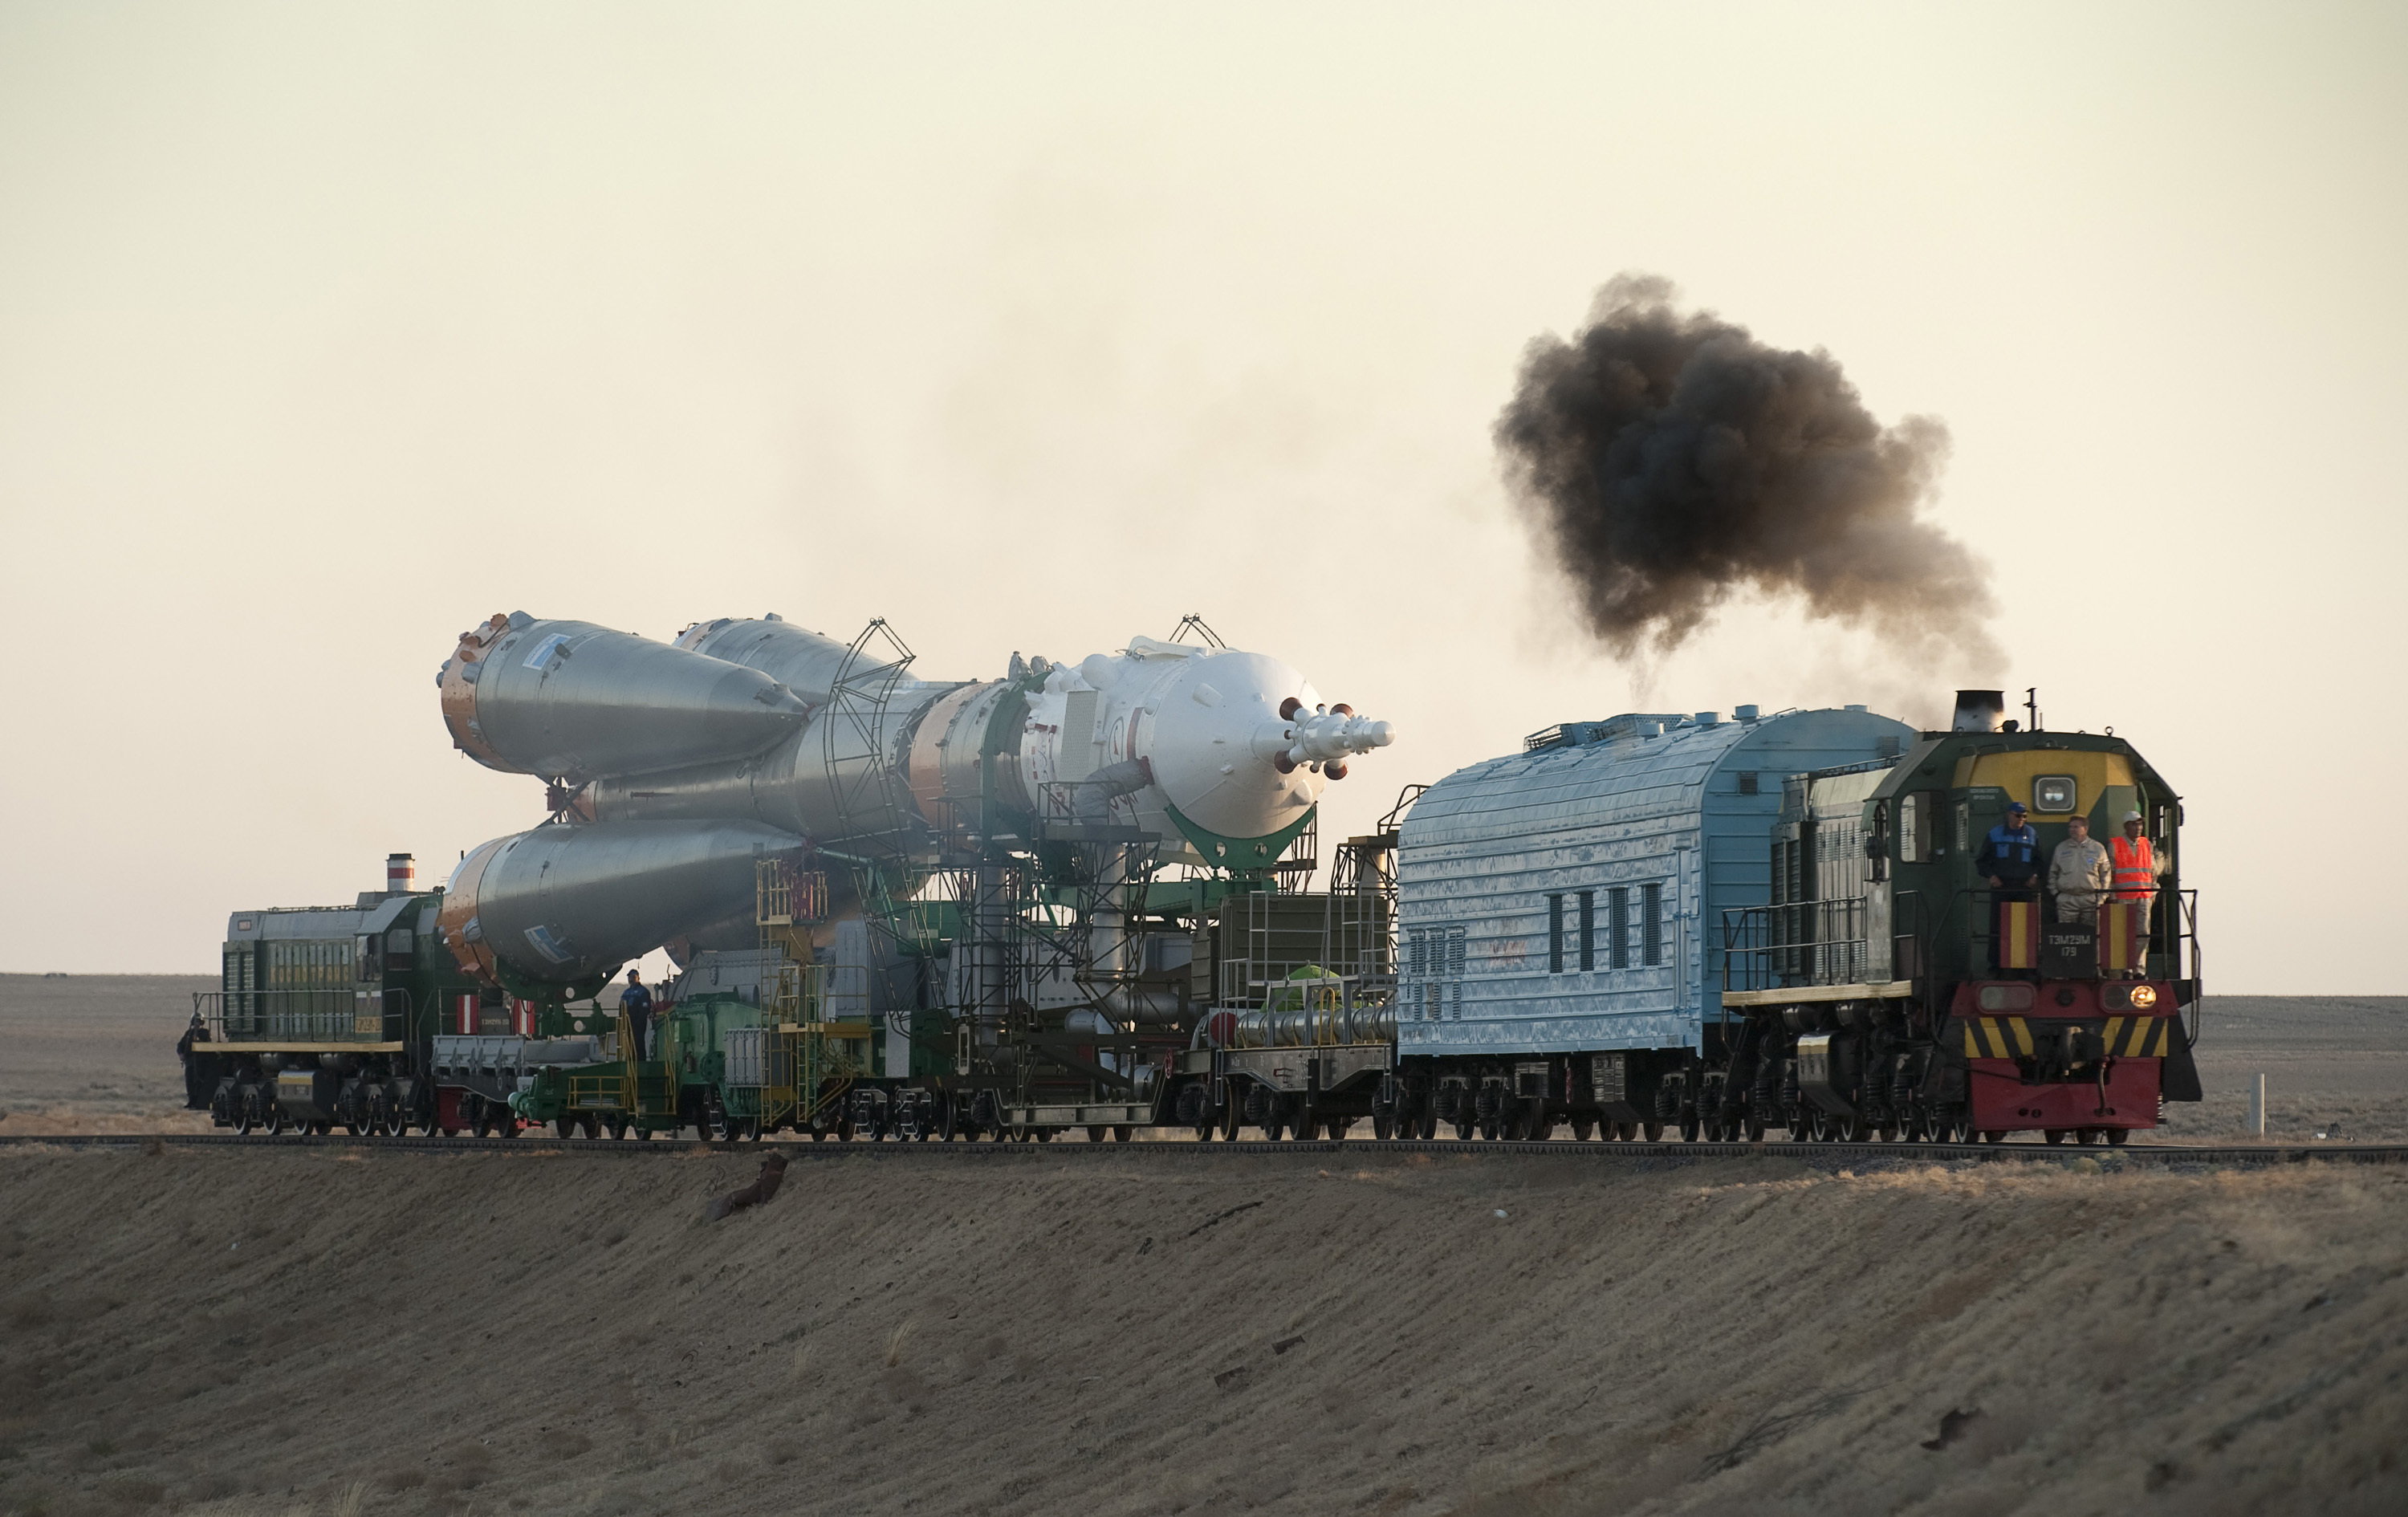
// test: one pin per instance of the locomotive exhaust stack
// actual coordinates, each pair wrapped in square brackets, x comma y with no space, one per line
[1979,711]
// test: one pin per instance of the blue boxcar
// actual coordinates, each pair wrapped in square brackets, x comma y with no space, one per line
[1570,897]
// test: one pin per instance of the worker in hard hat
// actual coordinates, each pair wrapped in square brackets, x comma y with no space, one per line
[2137,871]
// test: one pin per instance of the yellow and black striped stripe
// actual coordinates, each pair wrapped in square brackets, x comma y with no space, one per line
[2139,1037]
[1998,1038]
[2011,1038]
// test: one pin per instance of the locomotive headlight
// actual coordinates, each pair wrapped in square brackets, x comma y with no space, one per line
[2143,997]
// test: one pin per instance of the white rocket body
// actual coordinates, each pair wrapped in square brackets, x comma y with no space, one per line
[751,735]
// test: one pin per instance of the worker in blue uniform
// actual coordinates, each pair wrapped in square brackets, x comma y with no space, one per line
[2010,859]
[636,1005]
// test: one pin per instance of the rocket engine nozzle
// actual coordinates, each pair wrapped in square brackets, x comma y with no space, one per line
[1331,734]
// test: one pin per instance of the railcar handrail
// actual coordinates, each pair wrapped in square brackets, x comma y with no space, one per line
[305,1015]
[1776,947]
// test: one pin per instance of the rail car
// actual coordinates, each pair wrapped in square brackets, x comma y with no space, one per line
[1718,927]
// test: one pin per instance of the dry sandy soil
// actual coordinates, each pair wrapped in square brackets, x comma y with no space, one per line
[95,1053]
[2335,1066]
[286,1331]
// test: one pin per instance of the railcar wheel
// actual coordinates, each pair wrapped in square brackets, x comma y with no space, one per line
[1233,1116]
[948,1119]
[1337,1128]
[2086,1136]
[1124,1133]
[1691,1128]
[564,1125]
[1463,1129]
[1424,1125]
[2117,1136]
[1384,1126]
[1994,1135]
[2055,1134]
[1584,1128]
[1274,1123]
[1095,1132]
[1652,1131]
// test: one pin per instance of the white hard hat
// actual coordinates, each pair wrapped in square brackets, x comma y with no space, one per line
[2131,816]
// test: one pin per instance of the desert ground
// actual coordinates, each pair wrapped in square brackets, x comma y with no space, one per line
[1013,1331]
[338,1330]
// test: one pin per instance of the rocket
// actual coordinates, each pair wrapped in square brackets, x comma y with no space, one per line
[673,766]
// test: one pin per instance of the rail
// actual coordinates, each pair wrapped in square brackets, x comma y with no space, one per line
[1855,1157]
[1828,942]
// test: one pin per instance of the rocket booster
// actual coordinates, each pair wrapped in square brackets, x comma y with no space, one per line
[748,737]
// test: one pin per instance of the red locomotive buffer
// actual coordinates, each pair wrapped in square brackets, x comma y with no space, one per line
[2067,1057]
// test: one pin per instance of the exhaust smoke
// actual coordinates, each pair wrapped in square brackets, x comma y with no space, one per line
[1669,460]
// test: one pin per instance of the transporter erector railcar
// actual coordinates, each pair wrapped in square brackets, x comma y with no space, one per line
[1065,898]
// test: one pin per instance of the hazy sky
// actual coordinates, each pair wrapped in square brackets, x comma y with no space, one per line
[327,331]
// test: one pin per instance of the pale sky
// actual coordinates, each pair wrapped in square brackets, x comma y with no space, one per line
[326,331]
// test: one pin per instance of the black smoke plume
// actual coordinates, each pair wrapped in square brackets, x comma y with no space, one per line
[1669,460]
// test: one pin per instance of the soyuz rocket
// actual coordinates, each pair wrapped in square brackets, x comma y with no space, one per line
[673,766]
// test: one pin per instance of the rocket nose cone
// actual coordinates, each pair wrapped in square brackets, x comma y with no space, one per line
[1208,753]
[578,701]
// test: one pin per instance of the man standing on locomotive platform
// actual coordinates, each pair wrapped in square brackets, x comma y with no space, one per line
[2078,872]
[2137,871]
[636,1005]
[2010,859]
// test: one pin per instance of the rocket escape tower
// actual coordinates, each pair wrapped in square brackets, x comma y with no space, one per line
[1032,885]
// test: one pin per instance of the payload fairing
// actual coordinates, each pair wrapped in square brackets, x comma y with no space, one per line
[675,767]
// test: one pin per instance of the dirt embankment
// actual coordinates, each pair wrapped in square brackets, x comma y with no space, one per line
[317,1331]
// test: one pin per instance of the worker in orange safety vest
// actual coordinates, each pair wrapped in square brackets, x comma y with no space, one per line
[2136,870]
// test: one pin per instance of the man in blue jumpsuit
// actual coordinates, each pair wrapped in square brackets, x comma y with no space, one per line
[2010,861]
[635,1004]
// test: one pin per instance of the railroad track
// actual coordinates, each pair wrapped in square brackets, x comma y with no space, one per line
[1776,1149]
